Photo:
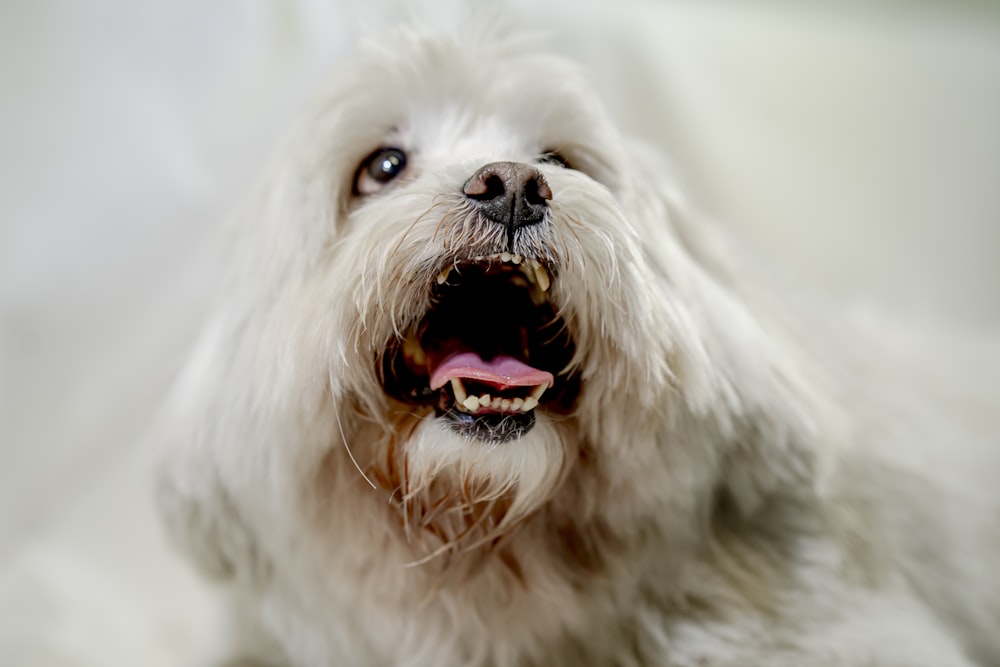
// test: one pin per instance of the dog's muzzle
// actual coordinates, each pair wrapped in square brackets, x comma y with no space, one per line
[491,348]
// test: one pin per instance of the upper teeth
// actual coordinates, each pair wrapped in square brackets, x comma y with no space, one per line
[531,269]
[542,277]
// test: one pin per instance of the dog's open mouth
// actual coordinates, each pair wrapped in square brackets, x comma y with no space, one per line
[490,350]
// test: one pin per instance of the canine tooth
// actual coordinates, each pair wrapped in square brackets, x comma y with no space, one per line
[443,276]
[471,403]
[542,275]
[505,404]
[459,389]
[505,257]
[528,271]
[529,404]
[516,404]
[538,391]
[516,259]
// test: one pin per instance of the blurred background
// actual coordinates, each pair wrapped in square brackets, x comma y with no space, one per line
[854,147]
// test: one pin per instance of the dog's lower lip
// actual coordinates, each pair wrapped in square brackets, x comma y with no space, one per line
[493,428]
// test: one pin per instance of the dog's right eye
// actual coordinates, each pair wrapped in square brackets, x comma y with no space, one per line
[378,169]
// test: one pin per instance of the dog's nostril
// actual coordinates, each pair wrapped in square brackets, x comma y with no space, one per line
[537,193]
[486,189]
[511,194]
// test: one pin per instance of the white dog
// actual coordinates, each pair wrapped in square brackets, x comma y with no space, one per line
[482,392]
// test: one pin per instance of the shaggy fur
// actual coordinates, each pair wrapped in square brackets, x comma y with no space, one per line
[714,495]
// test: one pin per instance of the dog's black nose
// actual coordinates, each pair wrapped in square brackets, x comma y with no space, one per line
[511,194]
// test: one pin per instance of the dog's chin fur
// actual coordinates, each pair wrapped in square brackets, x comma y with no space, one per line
[703,499]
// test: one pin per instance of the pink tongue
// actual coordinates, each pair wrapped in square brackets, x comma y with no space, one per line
[501,370]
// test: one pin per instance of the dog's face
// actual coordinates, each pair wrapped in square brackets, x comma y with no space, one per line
[493,312]
[462,287]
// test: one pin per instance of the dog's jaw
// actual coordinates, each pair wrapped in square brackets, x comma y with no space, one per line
[482,389]
[490,350]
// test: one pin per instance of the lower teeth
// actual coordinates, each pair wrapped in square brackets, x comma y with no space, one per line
[473,404]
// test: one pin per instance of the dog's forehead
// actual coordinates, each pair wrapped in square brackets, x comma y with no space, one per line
[448,102]
[442,132]
[442,96]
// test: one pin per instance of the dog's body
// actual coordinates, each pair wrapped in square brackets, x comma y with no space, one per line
[670,482]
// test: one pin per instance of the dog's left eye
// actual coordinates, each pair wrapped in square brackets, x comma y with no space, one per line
[378,169]
[554,157]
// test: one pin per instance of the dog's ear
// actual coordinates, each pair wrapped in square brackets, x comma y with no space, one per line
[203,521]
[739,374]
[194,497]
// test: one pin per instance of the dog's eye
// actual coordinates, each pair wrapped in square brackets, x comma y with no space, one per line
[554,157]
[377,169]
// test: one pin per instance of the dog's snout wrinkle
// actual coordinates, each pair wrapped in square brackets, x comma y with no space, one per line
[511,194]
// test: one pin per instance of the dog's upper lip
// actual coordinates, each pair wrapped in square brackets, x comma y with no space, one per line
[532,269]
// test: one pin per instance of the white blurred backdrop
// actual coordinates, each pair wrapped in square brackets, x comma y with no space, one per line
[854,147]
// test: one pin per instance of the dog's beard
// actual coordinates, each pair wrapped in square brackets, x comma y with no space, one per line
[452,496]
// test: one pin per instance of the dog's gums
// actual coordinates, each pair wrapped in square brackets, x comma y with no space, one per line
[490,350]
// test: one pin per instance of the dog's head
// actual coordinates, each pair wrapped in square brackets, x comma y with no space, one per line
[465,314]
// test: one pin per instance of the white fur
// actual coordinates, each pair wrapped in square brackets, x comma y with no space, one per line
[719,495]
